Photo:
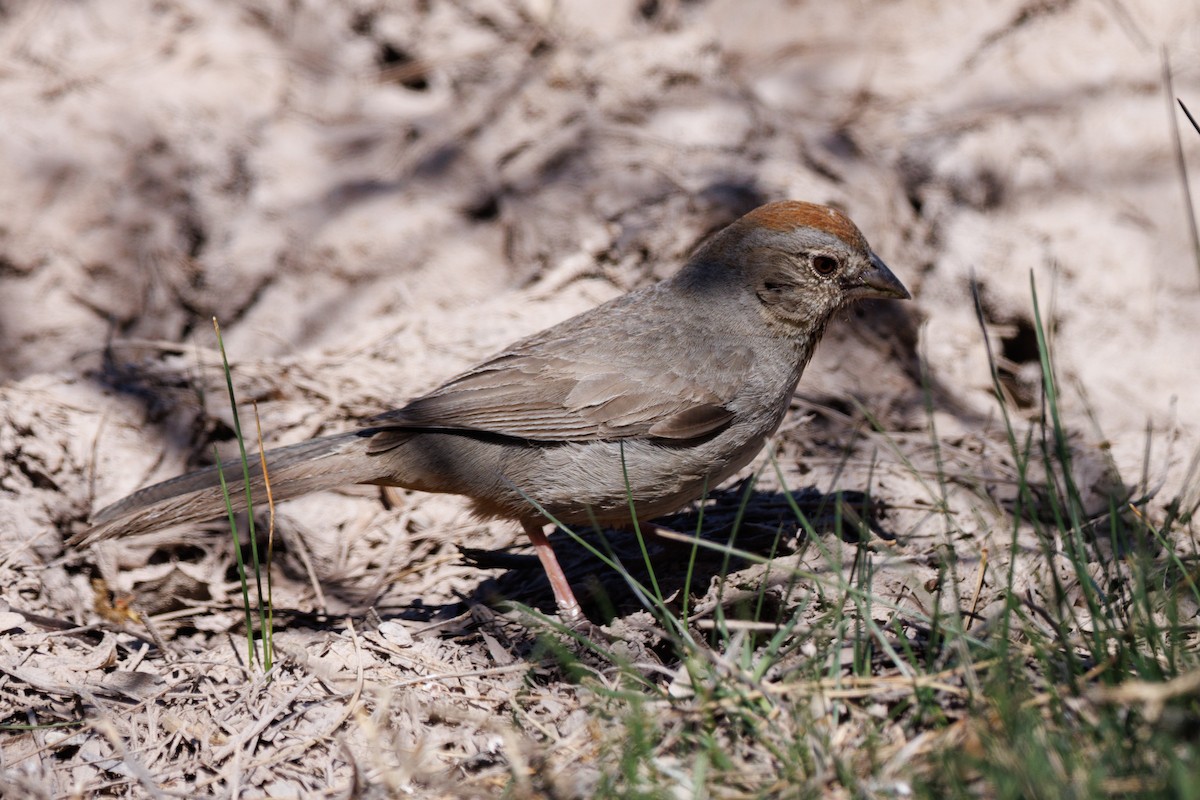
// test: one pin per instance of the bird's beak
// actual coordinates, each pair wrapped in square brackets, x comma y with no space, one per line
[879,282]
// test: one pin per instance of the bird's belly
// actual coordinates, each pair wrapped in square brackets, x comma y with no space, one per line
[581,482]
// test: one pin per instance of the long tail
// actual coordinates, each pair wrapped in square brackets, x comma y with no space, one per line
[295,470]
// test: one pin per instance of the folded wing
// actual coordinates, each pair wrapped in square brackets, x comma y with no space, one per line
[582,397]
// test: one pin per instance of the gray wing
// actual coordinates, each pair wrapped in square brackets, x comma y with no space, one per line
[574,383]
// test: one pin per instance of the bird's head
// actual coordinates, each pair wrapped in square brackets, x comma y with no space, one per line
[800,261]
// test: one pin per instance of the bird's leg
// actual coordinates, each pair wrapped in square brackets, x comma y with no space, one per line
[568,606]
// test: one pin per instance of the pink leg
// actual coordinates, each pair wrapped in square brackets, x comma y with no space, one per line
[568,606]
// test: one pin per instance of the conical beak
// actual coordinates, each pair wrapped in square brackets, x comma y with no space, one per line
[878,281]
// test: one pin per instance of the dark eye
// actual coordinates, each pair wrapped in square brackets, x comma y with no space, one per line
[825,265]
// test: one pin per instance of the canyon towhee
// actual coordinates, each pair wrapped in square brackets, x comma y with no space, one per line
[656,395]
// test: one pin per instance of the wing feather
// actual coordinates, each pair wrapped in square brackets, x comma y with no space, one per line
[559,386]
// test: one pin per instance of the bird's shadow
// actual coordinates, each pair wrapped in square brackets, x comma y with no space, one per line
[733,530]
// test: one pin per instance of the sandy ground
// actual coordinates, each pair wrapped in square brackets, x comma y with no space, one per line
[372,195]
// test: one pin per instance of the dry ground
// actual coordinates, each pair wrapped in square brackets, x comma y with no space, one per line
[372,195]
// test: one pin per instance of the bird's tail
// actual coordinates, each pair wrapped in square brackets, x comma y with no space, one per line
[295,470]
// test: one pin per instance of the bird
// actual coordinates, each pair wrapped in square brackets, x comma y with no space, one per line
[651,398]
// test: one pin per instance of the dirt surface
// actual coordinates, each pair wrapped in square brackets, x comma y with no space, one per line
[371,196]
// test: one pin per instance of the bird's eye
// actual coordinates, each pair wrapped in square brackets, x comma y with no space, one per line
[825,265]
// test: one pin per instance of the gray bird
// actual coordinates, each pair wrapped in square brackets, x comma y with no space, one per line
[654,395]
